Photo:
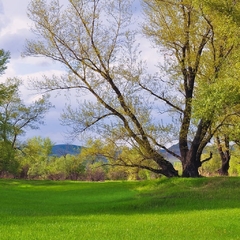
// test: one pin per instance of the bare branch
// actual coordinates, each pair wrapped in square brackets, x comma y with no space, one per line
[206,159]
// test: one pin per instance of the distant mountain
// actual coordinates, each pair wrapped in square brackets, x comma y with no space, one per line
[174,148]
[64,149]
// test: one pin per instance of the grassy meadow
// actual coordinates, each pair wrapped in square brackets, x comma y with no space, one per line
[177,208]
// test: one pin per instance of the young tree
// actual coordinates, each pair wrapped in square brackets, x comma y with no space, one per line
[34,156]
[94,40]
[16,118]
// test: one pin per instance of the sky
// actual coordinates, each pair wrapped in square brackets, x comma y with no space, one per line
[14,30]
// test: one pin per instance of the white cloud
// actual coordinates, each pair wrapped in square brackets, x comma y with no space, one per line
[14,26]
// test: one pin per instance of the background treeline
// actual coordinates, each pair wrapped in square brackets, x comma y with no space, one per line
[34,160]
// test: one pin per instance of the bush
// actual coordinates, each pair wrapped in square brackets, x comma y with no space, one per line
[95,172]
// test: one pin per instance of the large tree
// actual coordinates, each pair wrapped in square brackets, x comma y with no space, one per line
[95,41]
[200,44]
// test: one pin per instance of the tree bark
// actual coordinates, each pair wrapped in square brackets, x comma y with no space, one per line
[168,170]
[191,163]
[191,156]
[225,156]
[223,171]
[190,169]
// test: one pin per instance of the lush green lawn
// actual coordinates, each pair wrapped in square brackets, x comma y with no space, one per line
[205,208]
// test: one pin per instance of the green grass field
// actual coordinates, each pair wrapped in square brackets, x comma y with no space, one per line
[204,208]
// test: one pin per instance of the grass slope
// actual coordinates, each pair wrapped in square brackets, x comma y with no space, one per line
[205,208]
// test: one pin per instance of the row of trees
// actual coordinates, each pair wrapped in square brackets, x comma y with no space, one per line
[36,161]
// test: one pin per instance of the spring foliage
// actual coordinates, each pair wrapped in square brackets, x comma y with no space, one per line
[96,42]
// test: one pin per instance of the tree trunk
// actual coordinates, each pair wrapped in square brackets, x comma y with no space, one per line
[191,155]
[190,169]
[191,160]
[165,167]
[168,170]
[223,171]
[225,156]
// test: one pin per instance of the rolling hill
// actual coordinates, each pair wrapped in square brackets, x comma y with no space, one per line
[64,149]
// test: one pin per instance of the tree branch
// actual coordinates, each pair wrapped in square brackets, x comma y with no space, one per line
[161,98]
[206,159]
